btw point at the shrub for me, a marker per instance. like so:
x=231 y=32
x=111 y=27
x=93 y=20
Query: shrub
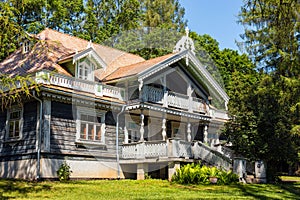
x=64 y=172
x=196 y=174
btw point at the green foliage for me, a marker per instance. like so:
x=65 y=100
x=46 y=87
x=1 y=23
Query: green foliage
x=265 y=105
x=264 y=123
x=272 y=34
x=15 y=89
x=196 y=174
x=95 y=20
x=10 y=31
x=64 y=172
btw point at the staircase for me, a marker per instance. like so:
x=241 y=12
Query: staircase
x=211 y=156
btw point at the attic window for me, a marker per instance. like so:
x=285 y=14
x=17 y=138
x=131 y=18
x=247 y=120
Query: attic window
x=85 y=69
x=26 y=46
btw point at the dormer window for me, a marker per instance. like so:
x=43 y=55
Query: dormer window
x=85 y=69
x=87 y=62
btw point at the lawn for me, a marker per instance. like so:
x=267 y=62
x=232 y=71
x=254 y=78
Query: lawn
x=148 y=189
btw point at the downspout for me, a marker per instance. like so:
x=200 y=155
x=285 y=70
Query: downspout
x=38 y=167
x=117 y=140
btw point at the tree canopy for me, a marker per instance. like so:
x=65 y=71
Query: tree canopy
x=265 y=105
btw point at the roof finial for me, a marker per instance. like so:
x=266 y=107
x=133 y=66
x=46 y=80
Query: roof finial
x=90 y=44
x=187 y=31
x=185 y=43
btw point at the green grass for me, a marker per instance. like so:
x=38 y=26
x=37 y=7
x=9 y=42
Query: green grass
x=148 y=189
x=290 y=178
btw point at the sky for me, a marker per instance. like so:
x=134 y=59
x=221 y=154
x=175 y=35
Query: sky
x=218 y=18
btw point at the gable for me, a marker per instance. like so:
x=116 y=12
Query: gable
x=91 y=54
x=191 y=66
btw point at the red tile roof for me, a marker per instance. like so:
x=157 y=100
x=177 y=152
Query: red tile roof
x=43 y=56
x=136 y=68
x=54 y=46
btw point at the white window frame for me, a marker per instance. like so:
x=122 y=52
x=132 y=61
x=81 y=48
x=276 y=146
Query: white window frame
x=81 y=111
x=26 y=46
x=133 y=132
x=85 y=69
x=11 y=110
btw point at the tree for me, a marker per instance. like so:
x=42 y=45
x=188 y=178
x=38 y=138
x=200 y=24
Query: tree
x=223 y=64
x=166 y=14
x=266 y=119
x=14 y=89
x=272 y=34
x=10 y=30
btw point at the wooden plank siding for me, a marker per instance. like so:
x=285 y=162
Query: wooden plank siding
x=2 y=125
x=27 y=142
x=63 y=134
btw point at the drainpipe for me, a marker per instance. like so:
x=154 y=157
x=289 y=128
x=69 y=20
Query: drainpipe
x=117 y=139
x=38 y=167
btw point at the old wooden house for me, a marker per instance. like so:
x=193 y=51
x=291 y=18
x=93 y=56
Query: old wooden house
x=108 y=113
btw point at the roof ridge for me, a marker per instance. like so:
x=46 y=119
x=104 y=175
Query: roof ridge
x=50 y=29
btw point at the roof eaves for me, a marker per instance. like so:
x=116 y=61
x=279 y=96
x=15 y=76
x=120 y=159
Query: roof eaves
x=161 y=65
x=208 y=76
x=92 y=54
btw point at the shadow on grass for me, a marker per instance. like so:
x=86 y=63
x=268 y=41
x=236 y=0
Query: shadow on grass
x=292 y=187
x=268 y=191
x=20 y=187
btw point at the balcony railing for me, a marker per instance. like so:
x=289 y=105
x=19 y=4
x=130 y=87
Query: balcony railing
x=142 y=150
x=154 y=149
x=47 y=77
x=175 y=148
x=173 y=99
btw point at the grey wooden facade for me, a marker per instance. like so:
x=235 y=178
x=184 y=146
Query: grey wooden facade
x=124 y=125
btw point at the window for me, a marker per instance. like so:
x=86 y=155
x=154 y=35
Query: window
x=14 y=123
x=133 y=132
x=90 y=127
x=85 y=69
x=26 y=46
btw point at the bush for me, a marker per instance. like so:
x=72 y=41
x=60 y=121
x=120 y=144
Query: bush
x=64 y=172
x=196 y=174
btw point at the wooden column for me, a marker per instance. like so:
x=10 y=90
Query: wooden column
x=46 y=124
x=142 y=130
x=189 y=136
x=126 y=135
x=165 y=99
x=164 y=127
x=205 y=139
x=189 y=94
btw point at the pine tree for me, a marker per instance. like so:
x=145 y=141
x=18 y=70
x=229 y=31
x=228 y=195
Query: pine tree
x=272 y=34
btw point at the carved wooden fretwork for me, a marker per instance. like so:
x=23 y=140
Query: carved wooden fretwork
x=185 y=43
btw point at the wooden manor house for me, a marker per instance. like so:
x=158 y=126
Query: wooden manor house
x=108 y=113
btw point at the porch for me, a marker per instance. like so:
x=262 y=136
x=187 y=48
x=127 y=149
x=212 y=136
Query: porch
x=174 y=150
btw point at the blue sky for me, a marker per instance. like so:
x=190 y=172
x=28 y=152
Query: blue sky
x=216 y=18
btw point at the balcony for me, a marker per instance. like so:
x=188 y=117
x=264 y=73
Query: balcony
x=175 y=148
x=98 y=89
x=175 y=100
